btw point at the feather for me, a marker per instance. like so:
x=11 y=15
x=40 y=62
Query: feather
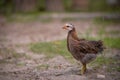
x=81 y=49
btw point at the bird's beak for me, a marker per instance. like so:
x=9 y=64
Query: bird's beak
x=64 y=27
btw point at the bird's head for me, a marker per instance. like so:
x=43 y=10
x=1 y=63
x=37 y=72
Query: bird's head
x=68 y=27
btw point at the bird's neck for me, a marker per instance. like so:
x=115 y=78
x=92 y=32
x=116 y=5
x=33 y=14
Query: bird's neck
x=72 y=37
x=73 y=34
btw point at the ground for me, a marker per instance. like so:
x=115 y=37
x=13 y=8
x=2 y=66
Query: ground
x=18 y=62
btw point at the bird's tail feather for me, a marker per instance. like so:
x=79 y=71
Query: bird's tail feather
x=100 y=46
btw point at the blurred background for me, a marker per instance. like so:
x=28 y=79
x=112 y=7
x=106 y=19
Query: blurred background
x=33 y=44
x=17 y=6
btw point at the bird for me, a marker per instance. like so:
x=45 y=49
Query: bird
x=81 y=49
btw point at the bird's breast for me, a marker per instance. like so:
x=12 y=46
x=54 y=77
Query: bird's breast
x=72 y=45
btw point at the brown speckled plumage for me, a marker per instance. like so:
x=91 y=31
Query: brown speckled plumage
x=82 y=50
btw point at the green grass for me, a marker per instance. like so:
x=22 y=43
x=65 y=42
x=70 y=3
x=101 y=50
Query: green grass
x=112 y=42
x=51 y=49
x=29 y=17
x=22 y=17
x=101 y=60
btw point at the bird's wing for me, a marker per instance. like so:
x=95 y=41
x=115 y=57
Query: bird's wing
x=98 y=45
x=87 y=47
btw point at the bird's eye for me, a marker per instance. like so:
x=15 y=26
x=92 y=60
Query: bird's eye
x=67 y=26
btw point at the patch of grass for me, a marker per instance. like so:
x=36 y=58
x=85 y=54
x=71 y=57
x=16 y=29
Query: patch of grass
x=51 y=49
x=118 y=68
x=100 y=61
x=29 y=17
x=22 y=17
x=112 y=42
x=114 y=66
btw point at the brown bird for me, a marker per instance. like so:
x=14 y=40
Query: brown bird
x=82 y=50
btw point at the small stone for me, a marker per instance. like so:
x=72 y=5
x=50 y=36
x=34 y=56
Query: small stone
x=100 y=76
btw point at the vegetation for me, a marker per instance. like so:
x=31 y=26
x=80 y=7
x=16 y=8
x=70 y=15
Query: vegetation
x=8 y=6
x=112 y=42
x=67 y=5
x=41 y=5
x=101 y=60
x=102 y=5
x=52 y=49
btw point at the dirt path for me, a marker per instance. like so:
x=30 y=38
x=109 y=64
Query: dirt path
x=30 y=66
x=23 y=33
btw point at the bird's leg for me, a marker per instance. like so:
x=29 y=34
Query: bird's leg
x=83 y=69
